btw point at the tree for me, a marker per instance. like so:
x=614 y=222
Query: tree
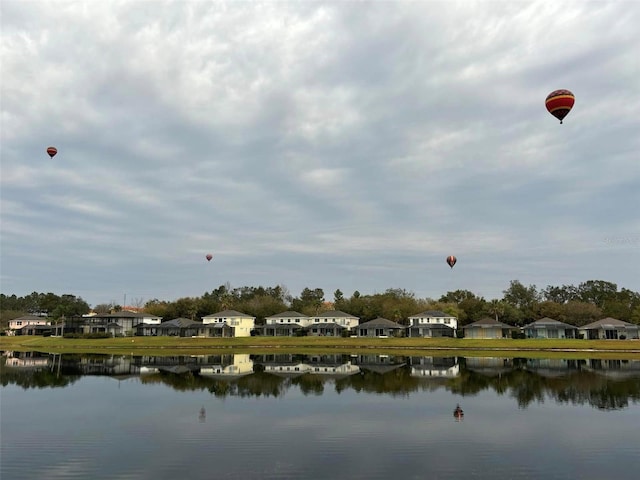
x=597 y=292
x=309 y=302
x=525 y=299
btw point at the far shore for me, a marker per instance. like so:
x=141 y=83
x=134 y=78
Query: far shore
x=162 y=346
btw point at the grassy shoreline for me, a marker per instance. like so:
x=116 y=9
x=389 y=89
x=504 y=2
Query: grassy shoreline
x=623 y=349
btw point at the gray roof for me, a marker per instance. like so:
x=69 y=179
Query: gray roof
x=609 y=322
x=334 y=314
x=124 y=314
x=548 y=322
x=432 y=313
x=326 y=325
x=227 y=314
x=281 y=326
x=487 y=323
x=180 y=322
x=32 y=317
x=288 y=314
x=380 y=322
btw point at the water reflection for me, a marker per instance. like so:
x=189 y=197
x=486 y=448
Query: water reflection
x=604 y=384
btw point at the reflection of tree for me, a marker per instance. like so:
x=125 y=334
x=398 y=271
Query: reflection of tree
x=525 y=380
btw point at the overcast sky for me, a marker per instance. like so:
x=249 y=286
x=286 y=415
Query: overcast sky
x=333 y=145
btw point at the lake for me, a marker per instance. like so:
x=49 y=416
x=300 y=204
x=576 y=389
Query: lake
x=317 y=417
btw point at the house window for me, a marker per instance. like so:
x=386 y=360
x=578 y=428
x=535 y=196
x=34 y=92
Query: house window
x=297 y=320
x=317 y=320
x=18 y=323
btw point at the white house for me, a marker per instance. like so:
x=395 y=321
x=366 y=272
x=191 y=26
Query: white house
x=344 y=320
x=241 y=323
x=288 y=318
x=432 y=323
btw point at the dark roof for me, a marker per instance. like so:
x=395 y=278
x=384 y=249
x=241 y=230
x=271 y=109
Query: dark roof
x=487 y=323
x=380 y=322
x=548 y=322
x=281 y=326
x=431 y=326
x=124 y=314
x=325 y=325
x=288 y=314
x=180 y=322
x=32 y=317
x=36 y=327
x=432 y=313
x=609 y=322
x=334 y=314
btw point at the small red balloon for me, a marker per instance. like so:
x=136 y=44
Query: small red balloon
x=451 y=260
x=52 y=151
x=209 y=257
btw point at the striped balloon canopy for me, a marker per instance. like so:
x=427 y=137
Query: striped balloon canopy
x=559 y=103
x=51 y=151
x=451 y=260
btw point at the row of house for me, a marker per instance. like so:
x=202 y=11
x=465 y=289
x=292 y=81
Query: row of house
x=231 y=323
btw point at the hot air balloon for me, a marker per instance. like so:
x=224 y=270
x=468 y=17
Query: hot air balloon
x=52 y=151
x=451 y=260
x=559 y=103
x=209 y=257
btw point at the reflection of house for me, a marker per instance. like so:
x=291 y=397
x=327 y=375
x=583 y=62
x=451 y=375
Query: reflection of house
x=239 y=366
x=549 y=328
x=615 y=369
x=284 y=365
x=609 y=329
x=241 y=323
x=489 y=366
x=34 y=360
x=487 y=328
x=380 y=327
x=331 y=366
x=444 y=367
x=378 y=363
x=432 y=323
x=332 y=323
x=552 y=367
x=17 y=325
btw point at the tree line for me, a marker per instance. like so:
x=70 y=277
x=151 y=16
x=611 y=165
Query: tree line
x=519 y=305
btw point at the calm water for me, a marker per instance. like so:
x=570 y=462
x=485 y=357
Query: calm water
x=317 y=417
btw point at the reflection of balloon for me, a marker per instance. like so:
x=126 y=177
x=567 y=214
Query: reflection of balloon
x=52 y=151
x=458 y=413
x=451 y=260
x=559 y=103
x=209 y=257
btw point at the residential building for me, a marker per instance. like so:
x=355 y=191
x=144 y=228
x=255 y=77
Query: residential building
x=241 y=323
x=609 y=329
x=549 y=328
x=432 y=323
x=380 y=327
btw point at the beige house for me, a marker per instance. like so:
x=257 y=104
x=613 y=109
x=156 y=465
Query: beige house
x=241 y=323
x=20 y=322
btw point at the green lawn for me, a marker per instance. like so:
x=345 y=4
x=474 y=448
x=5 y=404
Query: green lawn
x=401 y=346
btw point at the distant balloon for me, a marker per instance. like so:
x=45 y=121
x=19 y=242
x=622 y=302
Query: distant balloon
x=559 y=103
x=52 y=151
x=451 y=260
x=209 y=257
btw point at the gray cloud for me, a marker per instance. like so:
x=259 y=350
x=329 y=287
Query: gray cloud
x=331 y=145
